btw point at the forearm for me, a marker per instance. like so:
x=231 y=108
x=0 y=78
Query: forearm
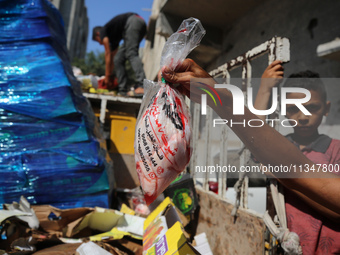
x=262 y=100
x=333 y=216
x=262 y=141
x=324 y=190
x=108 y=64
x=269 y=80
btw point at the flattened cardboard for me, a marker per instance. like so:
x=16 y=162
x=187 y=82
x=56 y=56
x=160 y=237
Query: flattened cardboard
x=173 y=242
x=75 y=223
x=63 y=217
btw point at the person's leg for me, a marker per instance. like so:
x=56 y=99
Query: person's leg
x=119 y=66
x=135 y=31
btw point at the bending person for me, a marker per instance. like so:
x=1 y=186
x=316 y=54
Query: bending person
x=131 y=28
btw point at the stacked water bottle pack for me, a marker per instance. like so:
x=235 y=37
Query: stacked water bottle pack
x=50 y=149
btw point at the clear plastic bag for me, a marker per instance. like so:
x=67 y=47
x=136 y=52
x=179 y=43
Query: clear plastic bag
x=163 y=132
x=182 y=42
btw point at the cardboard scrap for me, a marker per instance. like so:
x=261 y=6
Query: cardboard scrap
x=25 y=207
x=165 y=219
x=72 y=224
x=127 y=210
x=135 y=247
x=112 y=223
x=63 y=231
x=202 y=244
x=61 y=249
x=54 y=220
x=90 y=248
x=4 y=214
x=16 y=221
x=24 y=244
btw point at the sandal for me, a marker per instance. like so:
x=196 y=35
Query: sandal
x=133 y=94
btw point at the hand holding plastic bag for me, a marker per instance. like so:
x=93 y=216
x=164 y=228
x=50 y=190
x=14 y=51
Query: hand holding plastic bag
x=163 y=132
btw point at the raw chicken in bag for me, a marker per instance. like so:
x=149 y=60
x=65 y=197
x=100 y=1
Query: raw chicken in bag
x=163 y=132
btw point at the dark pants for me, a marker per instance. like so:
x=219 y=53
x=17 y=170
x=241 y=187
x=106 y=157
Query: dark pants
x=135 y=30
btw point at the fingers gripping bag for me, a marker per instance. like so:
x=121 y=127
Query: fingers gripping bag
x=163 y=132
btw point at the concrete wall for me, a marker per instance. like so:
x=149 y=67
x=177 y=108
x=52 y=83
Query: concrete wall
x=307 y=23
x=74 y=14
x=154 y=43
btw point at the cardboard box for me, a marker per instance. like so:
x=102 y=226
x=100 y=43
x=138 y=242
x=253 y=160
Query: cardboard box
x=163 y=232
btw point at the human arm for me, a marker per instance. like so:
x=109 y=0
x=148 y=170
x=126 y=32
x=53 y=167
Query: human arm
x=270 y=78
x=322 y=192
x=262 y=142
x=183 y=74
x=330 y=214
x=109 y=65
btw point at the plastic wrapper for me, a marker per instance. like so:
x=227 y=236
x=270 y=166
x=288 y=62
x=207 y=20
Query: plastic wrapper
x=50 y=148
x=163 y=132
x=182 y=42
